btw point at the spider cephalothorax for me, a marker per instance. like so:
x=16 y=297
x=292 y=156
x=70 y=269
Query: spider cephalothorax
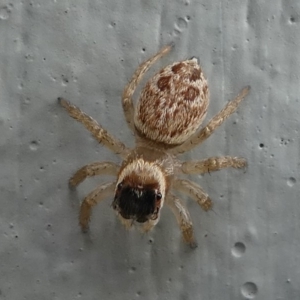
x=140 y=191
x=165 y=121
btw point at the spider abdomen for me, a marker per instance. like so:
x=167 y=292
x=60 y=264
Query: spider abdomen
x=173 y=103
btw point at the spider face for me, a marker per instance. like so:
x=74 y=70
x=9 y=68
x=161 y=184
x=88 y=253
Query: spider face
x=165 y=121
x=140 y=191
x=138 y=203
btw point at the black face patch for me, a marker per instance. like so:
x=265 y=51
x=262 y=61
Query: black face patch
x=135 y=203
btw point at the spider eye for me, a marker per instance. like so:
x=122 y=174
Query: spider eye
x=158 y=196
x=119 y=186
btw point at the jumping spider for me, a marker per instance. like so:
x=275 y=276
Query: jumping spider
x=165 y=120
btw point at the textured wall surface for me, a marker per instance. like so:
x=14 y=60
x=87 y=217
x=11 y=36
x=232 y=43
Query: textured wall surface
x=87 y=51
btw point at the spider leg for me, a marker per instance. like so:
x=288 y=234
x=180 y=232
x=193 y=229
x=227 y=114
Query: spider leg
x=147 y=226
x=99 y=133
x=131 y=86
x=93 y=169
x=97 y=195
x=212 y=164
x=183 y=219
x=126 y=222
x=194 y=191
x=213 y=124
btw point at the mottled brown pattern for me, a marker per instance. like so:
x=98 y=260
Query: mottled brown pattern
x=205 y=90
x=177 y=68
x=175 y=132
x=191 y=94
x=173 y=91
x=195 y=75
x=163 y=83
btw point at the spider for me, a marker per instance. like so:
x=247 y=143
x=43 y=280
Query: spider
x=171 y=107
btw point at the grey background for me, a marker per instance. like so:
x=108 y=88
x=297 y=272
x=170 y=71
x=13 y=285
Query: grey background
x=87 y=51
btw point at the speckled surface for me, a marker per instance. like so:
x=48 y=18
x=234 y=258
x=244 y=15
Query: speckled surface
x=86 y=51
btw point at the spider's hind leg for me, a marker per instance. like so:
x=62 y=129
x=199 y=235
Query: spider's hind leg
x=199 y=137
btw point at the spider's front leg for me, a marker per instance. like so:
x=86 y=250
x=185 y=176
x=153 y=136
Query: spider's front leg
x=99 y=133
x=212 y=125
x=93 y=169
x=99 y=194
x=183 y=219
x=131 y=86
